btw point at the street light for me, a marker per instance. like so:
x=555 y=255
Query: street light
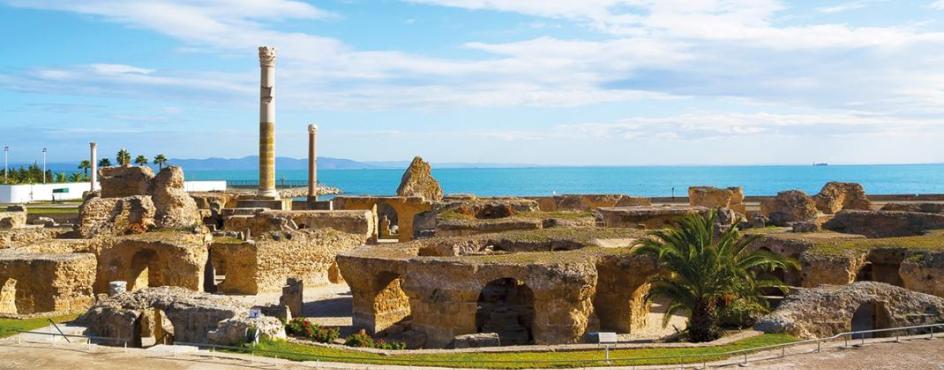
x=6 y=169
x=44 y=165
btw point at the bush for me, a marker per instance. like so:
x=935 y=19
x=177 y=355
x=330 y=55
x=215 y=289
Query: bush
x=381 y=344
x=360 y=339
x=739 y=314
x=303 y=328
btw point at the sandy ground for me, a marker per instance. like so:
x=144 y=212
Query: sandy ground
x=911 y=354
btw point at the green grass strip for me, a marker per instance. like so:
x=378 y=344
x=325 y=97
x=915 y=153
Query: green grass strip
x=10 y=327
x=517 y=360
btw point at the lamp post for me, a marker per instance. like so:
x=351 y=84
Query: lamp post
x=6 y=169
x=44 y=165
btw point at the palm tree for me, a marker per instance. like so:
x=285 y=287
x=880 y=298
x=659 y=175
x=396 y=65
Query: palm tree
x=124 y=157
x=104 y=162
x=704 y=270
x=141 y=160
x=85 y=166
x=160 y=160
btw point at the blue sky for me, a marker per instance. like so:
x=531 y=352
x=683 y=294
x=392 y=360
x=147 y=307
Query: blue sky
x=590 y=82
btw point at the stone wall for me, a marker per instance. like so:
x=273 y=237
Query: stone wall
x=305 y=254
x=837 y=196
x=407 y=208
x=881 y=224
x=712 y=197
x=116 y=216
x=34 y=283
x=124 y=181
x=24 y=236
x=13 y=217
x=644 y=217
x=239 y=263
x=587 y=202
x=789 y=207
x=154 y=259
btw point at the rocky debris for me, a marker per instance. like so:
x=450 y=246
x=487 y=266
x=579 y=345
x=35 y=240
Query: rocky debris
x=45 y=282
x=471 y=227
x=829 y=309
x=174 y=208
x=303 y=191
x=196 y=317
x=712 y=197
x=116 y=216
x=124 y=181
x=44 y=222
x=486 y=209
x=477 y=340
x=238 y=330
x=805 y=227
x=418 y=181
x=915 y=207
x=14 y=217
x=756 y=221
x=587 y=202
x=883 y=224
x=837 y=196
x=788 y=207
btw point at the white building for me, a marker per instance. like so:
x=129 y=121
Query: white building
x=28 y=193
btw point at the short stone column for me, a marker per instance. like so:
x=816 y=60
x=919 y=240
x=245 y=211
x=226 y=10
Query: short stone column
x=267 y=123
x=117 y=287
x=293 y=296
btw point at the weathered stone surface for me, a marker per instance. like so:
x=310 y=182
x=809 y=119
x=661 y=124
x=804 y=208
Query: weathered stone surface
x=124 y=181
x=174 y=208
x=293 y=296
x=923 y=272
x=153 y=259
x=712 y=197
x=914 y=207
x=829 y=310
x=13 y=217
x=27 y=236
x=418 y=181
x=787 y=207
x=644 y=217
x=472 y=227
x=477 y=340
x=193 y=317
x=880 y=224
x=406 y=208
x=116 y=216
x=34 y=283
x=837 y=196
x=238 y=330
x=805 y=227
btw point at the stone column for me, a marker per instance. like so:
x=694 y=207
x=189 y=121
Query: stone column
x=93 y=157
x=312 y=163
x=267 y=124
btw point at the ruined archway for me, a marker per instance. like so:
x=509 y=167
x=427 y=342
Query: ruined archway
x=882 y=265
x=391 y=305
x=774 y=294
x=506 y=307
x=142 y=273
x=8 y=296
x=388 y=221
x=209 y=275
x=870 y=316
x=152 y=327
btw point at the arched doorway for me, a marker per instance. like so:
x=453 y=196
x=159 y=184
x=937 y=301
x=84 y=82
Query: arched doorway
x=388 y=221
x=141 y=272
x=391 y=304
x=506 y=307
x=870 y=316
x=151 y=328
x=8 y=296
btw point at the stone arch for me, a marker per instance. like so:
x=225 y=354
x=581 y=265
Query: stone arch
x=391 y=305
x=8 y=296
x=788 y=278
x=209 y=274
x=152 y=327
x=882 y=266
x=143 y=270
x=870 y=316
x=506 y=306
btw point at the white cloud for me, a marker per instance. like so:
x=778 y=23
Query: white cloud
x=937 y=5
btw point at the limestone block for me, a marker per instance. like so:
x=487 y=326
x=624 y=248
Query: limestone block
x=476 y=340
x=881 y=224
x=124 y=181
x=174 y=208
x=239 y=330
x=644 y=217
x=116 y=216
x=712 y=197
x=837 y=196
x=788 y=207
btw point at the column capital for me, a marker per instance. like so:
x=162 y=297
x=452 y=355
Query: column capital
x=266 y=56
x=312 y=128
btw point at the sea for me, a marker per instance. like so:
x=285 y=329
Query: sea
x=639 y=180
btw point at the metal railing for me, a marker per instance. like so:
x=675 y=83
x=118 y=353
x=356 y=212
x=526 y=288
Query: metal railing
x=678 y=361
x=279 y=184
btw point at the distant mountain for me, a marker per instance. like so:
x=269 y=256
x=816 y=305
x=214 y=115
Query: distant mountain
x=252 y=162
x=405 y=164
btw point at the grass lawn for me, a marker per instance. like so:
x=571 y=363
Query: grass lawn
x=10 y=327
x=52 y=210
x=515 y=360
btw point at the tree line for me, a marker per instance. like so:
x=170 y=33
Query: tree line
x=33 y=174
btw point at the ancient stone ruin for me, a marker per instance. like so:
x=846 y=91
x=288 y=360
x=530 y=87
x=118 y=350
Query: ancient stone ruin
x=418 y=182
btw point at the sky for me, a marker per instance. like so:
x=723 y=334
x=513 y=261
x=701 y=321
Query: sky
x=589 y=82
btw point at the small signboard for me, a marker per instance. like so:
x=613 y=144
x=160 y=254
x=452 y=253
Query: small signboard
x=60 y=191
x=605 y=337
x=255 y=313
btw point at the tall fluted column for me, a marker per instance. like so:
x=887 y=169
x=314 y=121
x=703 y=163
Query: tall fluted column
x=267 y=123
x=312 y=162
x=93 y=158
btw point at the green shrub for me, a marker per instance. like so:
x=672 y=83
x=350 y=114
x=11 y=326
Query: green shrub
x=303 y=328
x=381 y=344
x=360 y=339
